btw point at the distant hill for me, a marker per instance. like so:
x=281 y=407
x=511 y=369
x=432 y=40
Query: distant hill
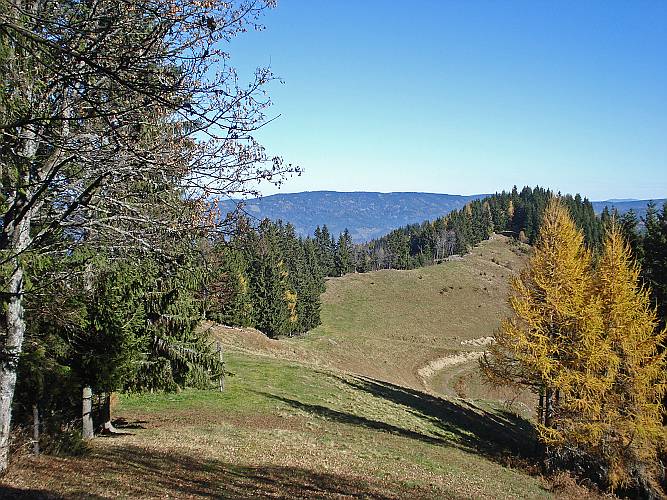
x=639 y=206
x=367 y=215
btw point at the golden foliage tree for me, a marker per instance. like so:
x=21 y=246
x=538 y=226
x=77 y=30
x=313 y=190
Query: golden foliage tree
x=585 y=341
x=631 y=424
x=556 y=326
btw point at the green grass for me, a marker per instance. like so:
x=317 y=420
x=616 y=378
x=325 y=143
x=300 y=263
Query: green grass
x=275 y=412
x=340 y=413
x=388 y=324
x=288 y=431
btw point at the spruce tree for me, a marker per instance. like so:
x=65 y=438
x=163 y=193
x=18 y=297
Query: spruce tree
x=629 y=226
x=343 y=260
x=655 y=256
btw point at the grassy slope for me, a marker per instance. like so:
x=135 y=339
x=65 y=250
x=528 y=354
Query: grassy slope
x=283 y=430
x=319 y=416
x=388 y=324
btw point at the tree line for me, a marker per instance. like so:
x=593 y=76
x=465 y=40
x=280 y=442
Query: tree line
x=518 y=213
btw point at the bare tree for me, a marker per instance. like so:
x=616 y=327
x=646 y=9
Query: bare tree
x=108 y=107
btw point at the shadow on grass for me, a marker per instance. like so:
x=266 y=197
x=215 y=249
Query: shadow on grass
x=137 y=472
x=122 y=423
x=29 y=494
x=495 y=434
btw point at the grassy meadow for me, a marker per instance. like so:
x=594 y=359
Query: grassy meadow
x=346 y=411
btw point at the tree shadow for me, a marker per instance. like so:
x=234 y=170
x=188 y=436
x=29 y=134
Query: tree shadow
x=490 y=431
x=138 y=472
x=122 y=423
x=25 y=493
x=494 y=433
x=350 y=418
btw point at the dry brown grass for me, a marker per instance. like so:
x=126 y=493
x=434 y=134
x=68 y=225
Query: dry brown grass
x=283 y=430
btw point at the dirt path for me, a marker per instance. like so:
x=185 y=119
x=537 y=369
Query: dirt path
x=439 y=364
x=446 y=362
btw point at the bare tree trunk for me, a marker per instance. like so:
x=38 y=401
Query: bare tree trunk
x=87 y=410
x=35 y=429
x=13 y=342
x=87 y=413
x=107 y=426
x=15 y=240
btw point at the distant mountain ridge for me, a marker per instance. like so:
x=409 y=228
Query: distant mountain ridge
x=369 y=215
x=625 y=205
x=366 y=215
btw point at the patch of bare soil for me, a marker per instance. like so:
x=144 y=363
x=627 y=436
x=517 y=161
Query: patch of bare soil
x=442 y=363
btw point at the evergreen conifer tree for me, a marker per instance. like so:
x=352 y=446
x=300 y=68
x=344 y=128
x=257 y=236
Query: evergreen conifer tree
x=655 y=256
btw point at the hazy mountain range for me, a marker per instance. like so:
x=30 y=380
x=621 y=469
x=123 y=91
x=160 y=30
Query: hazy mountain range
x=368 y=215
x=639 y=206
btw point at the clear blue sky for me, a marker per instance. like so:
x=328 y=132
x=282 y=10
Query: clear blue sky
x=469 y=96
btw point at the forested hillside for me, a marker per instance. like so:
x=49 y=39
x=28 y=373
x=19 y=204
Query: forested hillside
x=365 y=215
x=285 y=309
x=517 y=213
x=368 y=215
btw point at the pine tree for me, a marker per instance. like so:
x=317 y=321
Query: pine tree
x=226 y=292
x=629 y=226
x=325 y=250
x=631 y=425
x=343 y=260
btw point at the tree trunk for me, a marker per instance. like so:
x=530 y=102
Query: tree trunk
x=107 y=426
x=87 y=413
x=15 y=240
x=549 y=408
x=35 y=429
x=222 y=375
x=13 y=342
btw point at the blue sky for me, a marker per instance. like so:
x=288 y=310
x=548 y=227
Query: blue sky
x=467 y=97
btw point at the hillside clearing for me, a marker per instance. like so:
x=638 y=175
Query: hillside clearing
x=391 y=324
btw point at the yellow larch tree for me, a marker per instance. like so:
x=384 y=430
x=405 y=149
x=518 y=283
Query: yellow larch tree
x=587 y=341
x=631 y=423
x=553 y=344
